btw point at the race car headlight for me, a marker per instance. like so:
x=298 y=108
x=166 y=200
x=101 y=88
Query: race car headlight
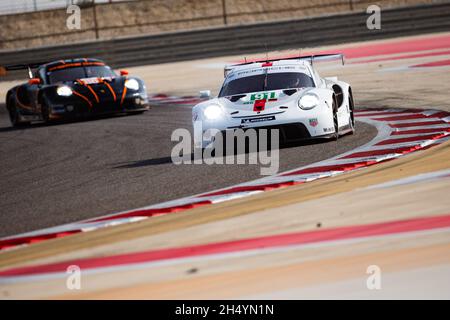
x=212 y=112
x=308 y=101
x=64 y=91
x=132 y=84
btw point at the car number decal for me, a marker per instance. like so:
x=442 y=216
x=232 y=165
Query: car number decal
x=271 y=96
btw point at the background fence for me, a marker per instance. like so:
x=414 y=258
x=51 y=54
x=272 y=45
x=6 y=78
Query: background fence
x=21 y=6
x=134 y=51
x=119 y=19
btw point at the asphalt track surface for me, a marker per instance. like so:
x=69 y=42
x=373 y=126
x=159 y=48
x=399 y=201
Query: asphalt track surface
x=61 y=173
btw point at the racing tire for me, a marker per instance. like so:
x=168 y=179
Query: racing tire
x=14 y=115
x=45 y=111
x=335 y=119
x=351 y=105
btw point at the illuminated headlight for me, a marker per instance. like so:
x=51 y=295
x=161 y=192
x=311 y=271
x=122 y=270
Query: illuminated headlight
x=132 y=84
x=212 y=112
x=64 y=91
x=308 y=101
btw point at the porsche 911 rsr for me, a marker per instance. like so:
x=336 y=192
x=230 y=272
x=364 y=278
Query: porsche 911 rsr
x=68 y=89
x=288 y=95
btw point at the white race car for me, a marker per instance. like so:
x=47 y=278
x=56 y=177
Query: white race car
x=287 y=94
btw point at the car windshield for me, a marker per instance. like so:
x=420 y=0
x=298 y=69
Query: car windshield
x=72 y=74
x=274 y=81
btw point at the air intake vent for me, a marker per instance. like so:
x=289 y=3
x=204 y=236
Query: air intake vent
x=236 y=98
x=290 y=92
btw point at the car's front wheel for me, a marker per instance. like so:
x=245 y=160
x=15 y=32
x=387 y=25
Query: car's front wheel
x=351 y=106
x=14 y=116
x=335 y=118
x=45 y=111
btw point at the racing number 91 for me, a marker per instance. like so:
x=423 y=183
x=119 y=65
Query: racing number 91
x=263 y=96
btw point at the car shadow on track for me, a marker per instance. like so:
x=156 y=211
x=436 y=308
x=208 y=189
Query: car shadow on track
x=144 y=163
x=64 y=122
x=27 y=127
x=168 y=159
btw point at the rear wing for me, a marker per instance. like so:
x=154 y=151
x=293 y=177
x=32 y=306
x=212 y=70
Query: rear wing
x=311 y=58
x=25 y=66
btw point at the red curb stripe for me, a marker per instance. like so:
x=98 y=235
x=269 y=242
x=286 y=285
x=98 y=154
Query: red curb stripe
x=416 y=124
x=382 y=152
x=400 y=118
x=389 y=113
x=153 y=212
x=440 y=63
x=410 y=139
x=298 y=238
x=9 y=243
x=440 y=115
x=370 y=110
x=428 y=146
x=262 y=187
x=419 y=131
x=336 y=167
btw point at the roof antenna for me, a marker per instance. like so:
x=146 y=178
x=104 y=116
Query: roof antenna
x=267 y=52
x=30 y=73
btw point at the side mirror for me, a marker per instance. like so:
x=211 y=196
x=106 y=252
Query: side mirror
x=124 y=72
x=205 y=94
x=34 y=81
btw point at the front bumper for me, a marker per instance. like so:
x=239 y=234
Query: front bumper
x=75 y=109
x=293 y=124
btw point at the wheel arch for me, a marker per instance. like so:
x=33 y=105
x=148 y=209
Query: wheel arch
x=340 y=88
